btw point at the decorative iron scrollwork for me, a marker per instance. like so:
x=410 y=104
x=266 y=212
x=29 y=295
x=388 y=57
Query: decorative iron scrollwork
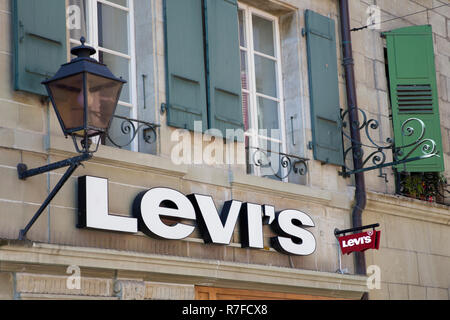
x=285 y=165
x=429 y=186
x=131 y=127
x=376 y=158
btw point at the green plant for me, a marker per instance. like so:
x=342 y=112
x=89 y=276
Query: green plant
x=413 y=186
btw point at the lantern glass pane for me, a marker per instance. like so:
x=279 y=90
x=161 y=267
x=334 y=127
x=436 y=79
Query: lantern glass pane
x=68 y=100
x=103 y=95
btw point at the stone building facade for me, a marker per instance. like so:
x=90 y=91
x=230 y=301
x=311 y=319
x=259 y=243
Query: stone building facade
x=60 y=261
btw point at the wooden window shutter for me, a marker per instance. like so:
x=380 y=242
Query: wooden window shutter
x=39 y=42
x=223 y=61
x=412 y=77
x=185 y=64
x=323 y=88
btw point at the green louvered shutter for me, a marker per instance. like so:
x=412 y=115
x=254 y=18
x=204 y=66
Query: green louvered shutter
x=323 y=88
x=224 y=87
x=39 y=28
x=412 y=77
x=185 y=65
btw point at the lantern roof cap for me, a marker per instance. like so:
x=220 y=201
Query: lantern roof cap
x=83 y=51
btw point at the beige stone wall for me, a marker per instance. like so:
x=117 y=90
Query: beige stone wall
x=46 y=271
x=135 y=174
x=41 y=286
x=30 y=134
x=414 y=256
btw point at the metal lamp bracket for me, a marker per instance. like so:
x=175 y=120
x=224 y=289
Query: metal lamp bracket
x=24 y=173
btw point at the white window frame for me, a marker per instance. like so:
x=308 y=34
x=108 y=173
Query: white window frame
x=251 y=91
x=92 y=40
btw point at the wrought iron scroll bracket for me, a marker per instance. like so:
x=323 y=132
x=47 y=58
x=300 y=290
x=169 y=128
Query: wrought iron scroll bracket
x=373 y=155
x=24 y=173
x=131 y=128
x=288 y=163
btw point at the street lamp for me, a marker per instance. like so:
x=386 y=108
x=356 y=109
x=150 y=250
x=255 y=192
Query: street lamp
x=84 y=94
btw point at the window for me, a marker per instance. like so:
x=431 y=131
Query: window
x=262 y=99
x=108 y=26
x=223 y=64
x=413 y=94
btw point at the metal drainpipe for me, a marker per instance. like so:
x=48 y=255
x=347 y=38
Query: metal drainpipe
x=360 y=192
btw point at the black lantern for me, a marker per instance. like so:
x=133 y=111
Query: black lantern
x=84 y=94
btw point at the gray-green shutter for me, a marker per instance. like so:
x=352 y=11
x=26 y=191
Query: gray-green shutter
x=185 y=65
x=40 y=47
x=224 y=86
x=323 y=88
x=412 y=77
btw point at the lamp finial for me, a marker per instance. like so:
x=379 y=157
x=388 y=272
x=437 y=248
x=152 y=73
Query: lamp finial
x=83 y=51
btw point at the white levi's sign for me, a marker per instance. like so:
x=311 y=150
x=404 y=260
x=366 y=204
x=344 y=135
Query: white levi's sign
x=356 y=242
x=164 y=213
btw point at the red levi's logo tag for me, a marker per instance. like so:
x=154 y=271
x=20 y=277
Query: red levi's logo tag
x=360 y=241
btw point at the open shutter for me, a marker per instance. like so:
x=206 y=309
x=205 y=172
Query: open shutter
x=39 y=42
x=412 y=77
x=185 y=66
x=222 y=46
x=323 y=88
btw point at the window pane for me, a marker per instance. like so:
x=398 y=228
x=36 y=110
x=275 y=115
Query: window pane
x=120 y=131
x=68 y=94
x=120 y=67
x=244 y=70
x=265 y=76
x=242 y=35
x=268 y=118
x=102 y=100
x=77 y=19
x=263 y=39
x=112 y=28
